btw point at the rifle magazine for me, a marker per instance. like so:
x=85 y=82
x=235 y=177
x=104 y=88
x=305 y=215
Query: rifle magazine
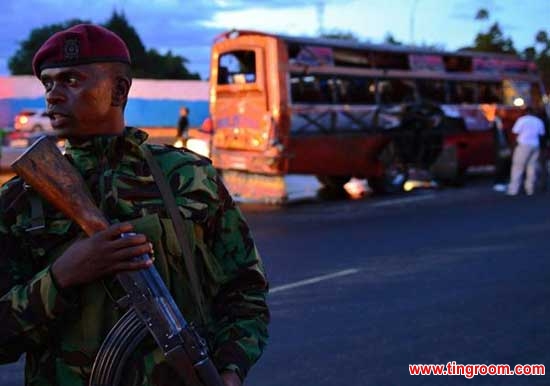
x=115 y=350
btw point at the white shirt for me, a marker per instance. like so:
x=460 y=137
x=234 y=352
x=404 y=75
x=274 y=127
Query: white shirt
x=529 y=128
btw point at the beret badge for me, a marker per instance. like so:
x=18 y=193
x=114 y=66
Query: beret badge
x=71 y=49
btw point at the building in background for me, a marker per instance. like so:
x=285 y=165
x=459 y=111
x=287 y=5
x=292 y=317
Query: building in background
x=152 y=103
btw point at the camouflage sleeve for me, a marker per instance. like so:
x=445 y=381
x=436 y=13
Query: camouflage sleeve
x=236 y=283
x=240 y=310
x=28 y=303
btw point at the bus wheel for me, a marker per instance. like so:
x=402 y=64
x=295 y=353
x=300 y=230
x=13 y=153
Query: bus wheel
x=333 y=182
x=394 y=174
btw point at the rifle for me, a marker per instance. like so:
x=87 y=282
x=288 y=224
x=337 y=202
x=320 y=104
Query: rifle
x=151 y=308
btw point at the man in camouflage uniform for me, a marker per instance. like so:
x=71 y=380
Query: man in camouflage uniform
x=57 y=286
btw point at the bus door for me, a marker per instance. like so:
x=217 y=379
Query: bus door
x=239 y=106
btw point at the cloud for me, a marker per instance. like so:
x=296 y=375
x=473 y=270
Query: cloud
x=188 y=27
x=226 y=5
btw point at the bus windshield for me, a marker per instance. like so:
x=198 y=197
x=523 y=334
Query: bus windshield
x=237 y=67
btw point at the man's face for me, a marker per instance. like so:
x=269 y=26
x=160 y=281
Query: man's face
x=79 y=99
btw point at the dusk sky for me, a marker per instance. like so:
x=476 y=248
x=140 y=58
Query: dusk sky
x=187 y=28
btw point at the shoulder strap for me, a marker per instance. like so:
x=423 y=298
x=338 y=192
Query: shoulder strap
x=179 y=226
x=37 y=214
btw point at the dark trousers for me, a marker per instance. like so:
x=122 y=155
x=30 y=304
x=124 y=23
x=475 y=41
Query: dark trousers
x=502 y=169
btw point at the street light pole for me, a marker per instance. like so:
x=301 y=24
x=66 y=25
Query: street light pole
x=411 y=23
x=320 y=17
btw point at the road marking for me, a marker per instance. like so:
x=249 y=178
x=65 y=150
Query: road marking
x=404 y=200
x=313 y=280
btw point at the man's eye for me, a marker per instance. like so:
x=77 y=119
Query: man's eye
x=47 y=85
x=72 y=80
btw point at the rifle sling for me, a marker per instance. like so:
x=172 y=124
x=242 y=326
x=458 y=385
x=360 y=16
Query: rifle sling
x=179 y=225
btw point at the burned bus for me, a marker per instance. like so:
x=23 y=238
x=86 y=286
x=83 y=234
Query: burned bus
x=338 y=109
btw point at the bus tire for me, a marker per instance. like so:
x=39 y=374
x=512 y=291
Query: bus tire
x=395 y=172
x=333 y=182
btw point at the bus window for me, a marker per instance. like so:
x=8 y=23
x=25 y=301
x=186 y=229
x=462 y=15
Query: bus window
x=490 y=92
x=388 y=59
x=356 y=90
x=431 y=90
x=237 y=67
x=462 y=92
x=396 y=91
x=310 y=55
x=313 y=89
x=456 y=63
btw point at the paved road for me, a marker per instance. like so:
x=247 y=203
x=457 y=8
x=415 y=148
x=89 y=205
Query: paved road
x=457 y=275
x=361 y=289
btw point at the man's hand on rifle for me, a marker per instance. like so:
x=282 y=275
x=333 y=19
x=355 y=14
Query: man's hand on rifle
x=103 y=254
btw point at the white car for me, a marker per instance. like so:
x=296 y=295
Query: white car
x=32 y=120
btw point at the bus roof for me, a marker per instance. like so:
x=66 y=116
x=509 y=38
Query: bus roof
x=361 y=46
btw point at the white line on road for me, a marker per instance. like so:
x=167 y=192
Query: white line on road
x=313 y=280
x=404 y=200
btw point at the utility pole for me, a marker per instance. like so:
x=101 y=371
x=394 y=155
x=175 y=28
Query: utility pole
x=411 y=23
x=320 y=17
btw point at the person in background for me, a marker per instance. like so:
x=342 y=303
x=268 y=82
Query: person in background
x=183 y=124
x=182 y=129
x=528 y=128
x=503 y=156
x=58 y=296
x=502 y=150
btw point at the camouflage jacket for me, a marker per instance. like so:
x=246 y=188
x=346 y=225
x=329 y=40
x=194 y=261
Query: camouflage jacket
x=61 y=331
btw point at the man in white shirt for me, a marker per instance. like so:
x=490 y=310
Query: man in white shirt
x=528 y=128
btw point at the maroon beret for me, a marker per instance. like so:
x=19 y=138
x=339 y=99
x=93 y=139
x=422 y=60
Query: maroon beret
x=80 y=44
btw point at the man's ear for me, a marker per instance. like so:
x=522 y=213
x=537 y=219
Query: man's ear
x=120 y=91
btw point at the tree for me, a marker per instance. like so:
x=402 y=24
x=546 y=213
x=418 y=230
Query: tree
x=542 y=37
x=530 y=53
x=167 y=66
x=148 y=63
x=390 y=39
x=119 y=25
x=542 y=56
x=145 y=63
x=492 y=41
x=482 y=14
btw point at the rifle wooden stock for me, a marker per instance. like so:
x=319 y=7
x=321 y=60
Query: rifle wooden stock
x=43 y=167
